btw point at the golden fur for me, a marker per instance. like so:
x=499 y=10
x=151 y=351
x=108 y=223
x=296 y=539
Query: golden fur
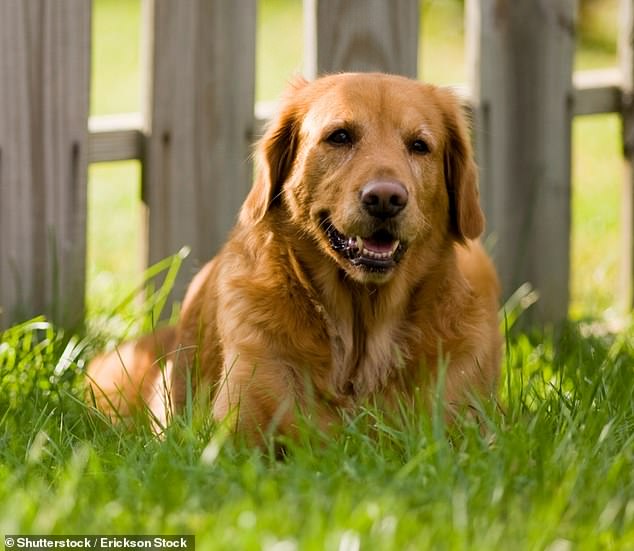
x=281 y=321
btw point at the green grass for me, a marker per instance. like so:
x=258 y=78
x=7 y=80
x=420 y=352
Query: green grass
x=596 y=209
x=115 y=230
x=116 y=57
x=552 y=472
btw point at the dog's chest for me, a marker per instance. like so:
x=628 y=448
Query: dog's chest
x=364 y=356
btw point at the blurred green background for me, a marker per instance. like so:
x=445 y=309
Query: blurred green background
x=116 y=216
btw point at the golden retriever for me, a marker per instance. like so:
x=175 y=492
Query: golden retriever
x=354 y=271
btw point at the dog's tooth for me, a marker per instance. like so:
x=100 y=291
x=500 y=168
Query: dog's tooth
x=379 y=256
x=360 y=243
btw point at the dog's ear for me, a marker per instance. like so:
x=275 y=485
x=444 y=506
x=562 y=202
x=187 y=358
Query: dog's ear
x=461 y=174
x=276 y=152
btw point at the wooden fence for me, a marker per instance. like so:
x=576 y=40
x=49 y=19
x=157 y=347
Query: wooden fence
x=194 y=137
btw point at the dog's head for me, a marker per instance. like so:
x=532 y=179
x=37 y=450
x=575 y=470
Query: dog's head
x=374 y=168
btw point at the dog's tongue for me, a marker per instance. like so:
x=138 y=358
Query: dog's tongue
x=378 y=245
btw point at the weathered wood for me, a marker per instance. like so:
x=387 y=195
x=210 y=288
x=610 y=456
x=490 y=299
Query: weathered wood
x=44 y=93
x=115 y=138
x=361 y=35
x=626 y=58
x=201 y=56
x=522 y=58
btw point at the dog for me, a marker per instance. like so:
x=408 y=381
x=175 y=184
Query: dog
x=354 y=272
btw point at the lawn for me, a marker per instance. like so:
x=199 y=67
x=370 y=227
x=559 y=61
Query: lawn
x=553 y=470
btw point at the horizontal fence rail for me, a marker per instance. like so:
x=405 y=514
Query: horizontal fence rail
x=121 y=137
x=194 y=137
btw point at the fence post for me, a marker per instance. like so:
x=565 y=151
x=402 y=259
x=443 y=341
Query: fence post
x=521 y=63
x=361 y=35
x=626 y=58
x=199 y=114
x=44 y=102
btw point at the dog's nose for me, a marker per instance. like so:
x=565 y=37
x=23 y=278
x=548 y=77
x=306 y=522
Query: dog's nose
x=383 y=198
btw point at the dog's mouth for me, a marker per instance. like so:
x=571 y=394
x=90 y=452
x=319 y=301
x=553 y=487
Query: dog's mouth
x=379 y=252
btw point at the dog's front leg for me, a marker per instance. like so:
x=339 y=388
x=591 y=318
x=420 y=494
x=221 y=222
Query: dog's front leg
x=257 y=397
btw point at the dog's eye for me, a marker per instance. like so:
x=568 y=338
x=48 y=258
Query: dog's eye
x=339 y=137
x=420 y=147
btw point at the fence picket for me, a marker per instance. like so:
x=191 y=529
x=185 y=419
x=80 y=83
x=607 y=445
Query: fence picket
x=201 y=56
x=361 y=35
x=524 y=99
x=44 y=99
